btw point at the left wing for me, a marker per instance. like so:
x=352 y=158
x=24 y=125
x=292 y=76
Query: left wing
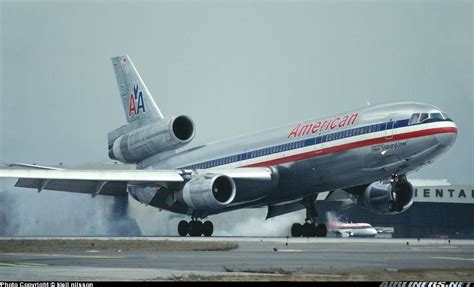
x=105 y=182
x=112 y=182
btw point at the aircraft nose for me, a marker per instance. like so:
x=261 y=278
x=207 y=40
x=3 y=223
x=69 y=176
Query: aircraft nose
x=373 y=232
x=448 y=139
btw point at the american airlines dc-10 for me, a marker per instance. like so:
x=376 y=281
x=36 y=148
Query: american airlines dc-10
x=365 y=152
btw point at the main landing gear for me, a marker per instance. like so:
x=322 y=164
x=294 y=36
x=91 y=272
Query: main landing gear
x=195 y=228
x=309 y=228
x=396 y=181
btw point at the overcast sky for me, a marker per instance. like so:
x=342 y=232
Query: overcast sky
x=233 y=67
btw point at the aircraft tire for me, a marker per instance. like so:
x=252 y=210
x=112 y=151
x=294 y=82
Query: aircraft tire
x=308 y=230
x=313 y=231
x=321 y=230
x=183 y=227
x=296 y=230
x=207 y=228
x=195 y=228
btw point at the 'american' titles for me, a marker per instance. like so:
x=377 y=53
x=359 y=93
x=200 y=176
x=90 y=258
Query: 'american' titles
x=323 y=125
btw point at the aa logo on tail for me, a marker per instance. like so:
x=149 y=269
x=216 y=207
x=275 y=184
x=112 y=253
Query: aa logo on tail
x=136 y=102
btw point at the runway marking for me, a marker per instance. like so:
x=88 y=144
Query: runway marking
x=290 y=250
x=27 y=265
x=97 y=257
x=435 y=247
x=453 y=258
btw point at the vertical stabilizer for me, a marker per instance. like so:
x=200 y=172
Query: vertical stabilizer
x=139 y=106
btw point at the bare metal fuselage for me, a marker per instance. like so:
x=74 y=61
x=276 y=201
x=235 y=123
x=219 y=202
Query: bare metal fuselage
x=320 y=154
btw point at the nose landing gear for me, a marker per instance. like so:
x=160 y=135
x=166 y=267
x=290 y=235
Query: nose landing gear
x=309 y=228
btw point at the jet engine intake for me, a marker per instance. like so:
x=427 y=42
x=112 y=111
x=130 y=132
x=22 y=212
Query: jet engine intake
x=209 y=191
x=139 y=144
x=388 y=197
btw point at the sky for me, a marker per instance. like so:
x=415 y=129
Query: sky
x=234 y=67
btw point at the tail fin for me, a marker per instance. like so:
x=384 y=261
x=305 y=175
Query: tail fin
x=139 y=106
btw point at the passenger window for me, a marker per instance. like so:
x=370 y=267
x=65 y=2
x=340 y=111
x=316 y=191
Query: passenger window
x=423 y=117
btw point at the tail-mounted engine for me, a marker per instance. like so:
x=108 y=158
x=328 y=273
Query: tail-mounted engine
x=390 y=197
x=208 y=191
x=140 y=143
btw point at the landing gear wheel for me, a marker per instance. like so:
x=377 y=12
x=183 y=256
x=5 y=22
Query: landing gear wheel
x=195 y=228
x=207 y=228
x=296 y=230
x=183 y=228
x=309 y=230
x=321 y=230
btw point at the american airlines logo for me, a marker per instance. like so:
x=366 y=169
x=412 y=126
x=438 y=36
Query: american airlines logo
x=136 y=102
x=322 y=126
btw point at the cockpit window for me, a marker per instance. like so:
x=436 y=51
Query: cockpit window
x=414 y=119
x=427 y=118
x=423 y=117
x=436 y=116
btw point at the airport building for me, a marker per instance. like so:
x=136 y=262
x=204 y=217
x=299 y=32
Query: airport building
x=440 y=210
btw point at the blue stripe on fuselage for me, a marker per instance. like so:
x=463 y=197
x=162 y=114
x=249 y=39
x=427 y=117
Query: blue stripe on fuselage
x=301 y=143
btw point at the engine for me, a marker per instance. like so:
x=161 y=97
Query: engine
x=208 y=191
x=388 y=197
x=139 y=144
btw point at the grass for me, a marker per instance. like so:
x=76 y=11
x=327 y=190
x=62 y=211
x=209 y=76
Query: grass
x=83 y=245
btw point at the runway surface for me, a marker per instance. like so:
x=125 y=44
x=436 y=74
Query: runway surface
x=272 y=256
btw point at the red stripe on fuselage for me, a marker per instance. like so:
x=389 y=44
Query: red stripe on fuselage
x=348 y=146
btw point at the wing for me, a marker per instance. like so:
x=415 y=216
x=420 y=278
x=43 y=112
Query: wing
x=112 y=182
x=105 y=182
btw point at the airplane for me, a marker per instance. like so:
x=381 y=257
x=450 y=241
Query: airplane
x=365 y=152
x=352 y=229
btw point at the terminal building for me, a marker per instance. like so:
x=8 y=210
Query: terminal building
x=440 y=210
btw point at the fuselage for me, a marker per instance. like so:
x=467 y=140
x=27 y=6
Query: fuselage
x=352 y=229
x=327 y=153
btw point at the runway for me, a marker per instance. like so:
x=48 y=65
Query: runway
x=321 y=258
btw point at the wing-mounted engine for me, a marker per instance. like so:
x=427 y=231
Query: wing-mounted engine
x=390 y=197
x=131 y=145
x=208 y=191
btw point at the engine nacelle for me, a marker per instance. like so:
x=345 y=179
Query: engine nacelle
x=388 y=197
x=139 y=144
x=209 y=191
